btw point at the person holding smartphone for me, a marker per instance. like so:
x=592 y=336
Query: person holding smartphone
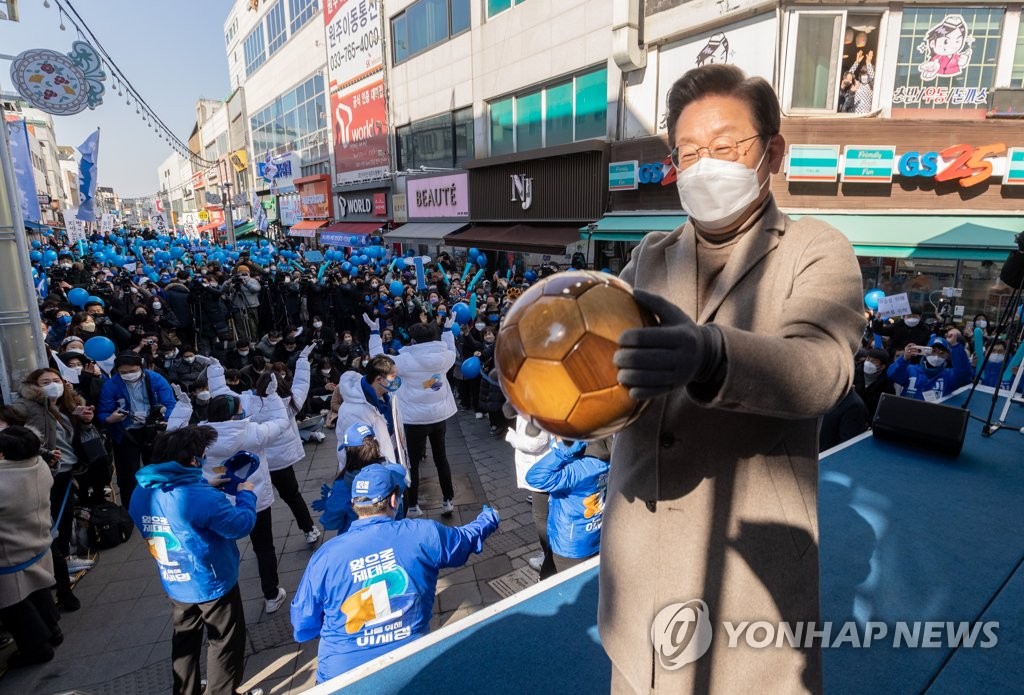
x=930 y=379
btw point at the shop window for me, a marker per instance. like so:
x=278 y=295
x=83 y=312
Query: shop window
x=443 y=141
x=294 y=121
x=529 y=122
x=497 y=6
x=833 y=61
x=277 y=32
x=502 y=141
x=947 y=58
x=465 y=145
x=255 y=50
x=558 y=114
x=301 y=11
x=425 y=24
x=1017 y=76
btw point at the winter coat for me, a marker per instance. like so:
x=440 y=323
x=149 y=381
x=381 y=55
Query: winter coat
x=35 y=408
x=246 y=435
x=178 y=301
x=848 y=419
x=425 y=396
x=529 y=449
x=247 y=294
x=871 y=393
x=577 y=484
x=900 y=334
x=355 y=409
x=338 y=515
x=115 y=394
x=179 y=372
x=24 y=528
x=265 y=348
x=191 y=529
x=492 y=398
x=925 y=383
x=788 y=304
x=333 y=603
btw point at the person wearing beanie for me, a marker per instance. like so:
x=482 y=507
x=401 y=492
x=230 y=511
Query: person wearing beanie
x=135 y=403
x=931 y=379
x=870 y=380
x=336 y=600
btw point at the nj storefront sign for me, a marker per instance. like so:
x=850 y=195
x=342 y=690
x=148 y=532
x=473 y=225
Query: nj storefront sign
x=445 y=197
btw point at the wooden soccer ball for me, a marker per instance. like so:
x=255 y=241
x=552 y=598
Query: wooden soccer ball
x=555 y=354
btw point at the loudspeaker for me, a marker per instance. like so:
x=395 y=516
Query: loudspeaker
x=933 y=426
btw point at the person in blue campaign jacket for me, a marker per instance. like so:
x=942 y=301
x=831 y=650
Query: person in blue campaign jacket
x=931 y=379
x=191 y=528
x=575 y=474
x=371 y=589
x=361 y=449
x=133 y=402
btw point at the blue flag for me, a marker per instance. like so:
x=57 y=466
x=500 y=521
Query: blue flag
x=90 y=150
x=21 y=158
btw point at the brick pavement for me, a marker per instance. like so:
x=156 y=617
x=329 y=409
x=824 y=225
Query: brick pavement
x=119 y=642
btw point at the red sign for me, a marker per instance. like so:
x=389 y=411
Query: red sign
x=360 y=128
x=315 y=197
x=380 y=204
x=198 y=180
x=216 y=216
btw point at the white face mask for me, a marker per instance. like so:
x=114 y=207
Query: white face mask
x=870 y=368
x=317 y=324
x=157 y=306
x=132 y=377
x=996 y=357
x=911 y=322
x=716 y=192
x=54 y=390
x=189 y=360
x=480 y=326
x=981 y=323
x=325 y=372
x=202 y=396
x=935 y=360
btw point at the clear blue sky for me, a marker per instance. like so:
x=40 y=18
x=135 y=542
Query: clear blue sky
x=172 y=52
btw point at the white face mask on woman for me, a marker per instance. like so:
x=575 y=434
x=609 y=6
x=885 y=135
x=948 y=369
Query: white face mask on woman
x=715 y=192
x=54 y=390
x=911 y=323
x=870 y=368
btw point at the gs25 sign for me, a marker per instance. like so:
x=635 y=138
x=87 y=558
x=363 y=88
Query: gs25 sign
x=970 y=165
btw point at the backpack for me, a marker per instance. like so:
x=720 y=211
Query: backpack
x=109 y=526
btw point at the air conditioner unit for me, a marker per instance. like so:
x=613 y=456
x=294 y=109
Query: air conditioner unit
x=1006 y=102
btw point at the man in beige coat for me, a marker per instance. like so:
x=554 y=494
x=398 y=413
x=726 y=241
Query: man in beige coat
x=712 y=494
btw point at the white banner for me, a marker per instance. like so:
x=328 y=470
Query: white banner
x=189 y=222
x=894 y=305
x=158 y=221
x=354 y=47
x=74 y=227
x=107 y=222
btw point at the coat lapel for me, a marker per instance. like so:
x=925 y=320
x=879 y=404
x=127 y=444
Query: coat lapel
x=678 y=282
x=755 y=245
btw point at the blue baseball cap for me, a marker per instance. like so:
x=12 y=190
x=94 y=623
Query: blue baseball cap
x=939 y=341
x=372 y=484
x=356 y=433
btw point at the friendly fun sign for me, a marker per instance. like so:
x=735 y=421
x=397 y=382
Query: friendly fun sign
x=868 y=164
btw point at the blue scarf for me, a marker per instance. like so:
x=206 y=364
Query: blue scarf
x=382 y=404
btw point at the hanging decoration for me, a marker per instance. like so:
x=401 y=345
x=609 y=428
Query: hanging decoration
x=57 y=83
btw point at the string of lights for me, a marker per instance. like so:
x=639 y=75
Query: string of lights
x=123 y=87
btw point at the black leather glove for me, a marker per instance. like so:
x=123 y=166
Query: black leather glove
x=656 y=360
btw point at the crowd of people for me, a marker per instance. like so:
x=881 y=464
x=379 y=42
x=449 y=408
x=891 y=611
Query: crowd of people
x=184 y=379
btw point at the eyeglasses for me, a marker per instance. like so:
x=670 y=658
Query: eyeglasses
x=722 y=147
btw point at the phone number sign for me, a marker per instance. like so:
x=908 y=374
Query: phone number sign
x=353 y=34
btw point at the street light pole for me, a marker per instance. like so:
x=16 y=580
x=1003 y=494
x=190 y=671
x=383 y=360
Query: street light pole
x=229 y=218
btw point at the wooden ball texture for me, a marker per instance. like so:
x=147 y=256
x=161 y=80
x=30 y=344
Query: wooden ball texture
x=555 y=352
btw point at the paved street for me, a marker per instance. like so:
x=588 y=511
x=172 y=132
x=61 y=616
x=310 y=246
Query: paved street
x=119 y=642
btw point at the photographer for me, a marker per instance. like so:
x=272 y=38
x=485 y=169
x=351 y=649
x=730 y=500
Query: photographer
x=179 y=299
x=245 y=291
x=134 y=404
x=211 y=316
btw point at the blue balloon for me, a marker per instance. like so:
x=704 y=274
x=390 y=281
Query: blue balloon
x=473 y=253
x=36 y=244
x=346 y=266
x=177 y=252
x=35 y=256
x=99 y=348
x=530 y=276
x=456 y=330
x=396 y=288
x=49 y=255
x=94 y=298
x=462 y=313
x=78 y=297
x=470 y=367
x=872 y=297
x=481 y=260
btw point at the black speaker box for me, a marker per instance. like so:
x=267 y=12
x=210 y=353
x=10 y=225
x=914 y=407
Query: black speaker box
x=933 y=426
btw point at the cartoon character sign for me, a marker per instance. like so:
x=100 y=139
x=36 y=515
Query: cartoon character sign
x=716 y=50
x=947 y=46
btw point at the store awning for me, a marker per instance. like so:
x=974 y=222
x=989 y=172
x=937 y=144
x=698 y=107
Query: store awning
x=36 y=226
x=309 y=224
x=521 y=237
x=943 y=237
x=630 y=227
x=208 y=227
x=425 y=231
x=247 y=229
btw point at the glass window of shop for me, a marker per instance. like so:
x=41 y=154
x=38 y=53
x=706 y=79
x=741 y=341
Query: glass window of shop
x=255 y=50
x=498 y=6
x=561 y=113
x=444 y=141
x=923 y=280
x=301 y=11
x=296 y=120
x=947 y=57
x=833 y=61
x=1017 y=74
x=425 y=24
x=277 y=30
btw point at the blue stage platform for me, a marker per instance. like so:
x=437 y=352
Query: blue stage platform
x=905 y=536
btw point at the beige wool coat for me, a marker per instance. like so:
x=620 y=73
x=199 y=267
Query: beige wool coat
x=718 y=500
x=24 y=528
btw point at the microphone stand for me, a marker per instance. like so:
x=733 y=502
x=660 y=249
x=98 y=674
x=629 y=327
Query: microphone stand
x=1011 y=324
